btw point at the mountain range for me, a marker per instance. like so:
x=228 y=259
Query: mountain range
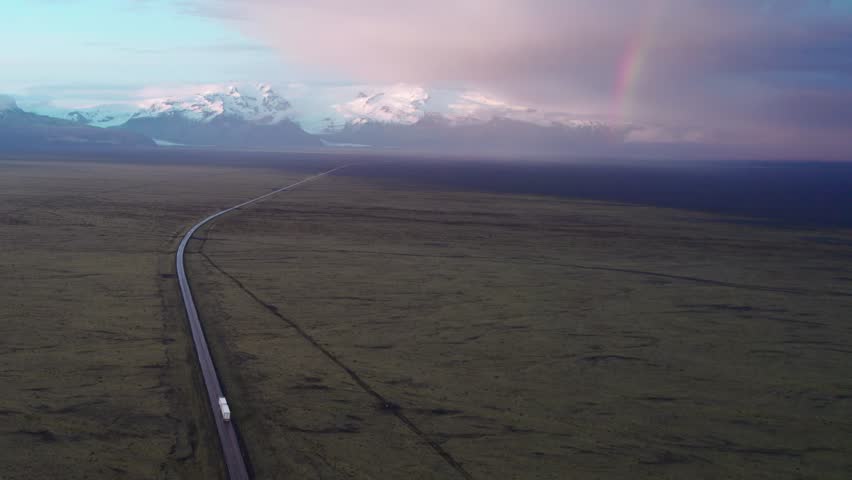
x=20 y=130
x=259 y=118
x=498 y=135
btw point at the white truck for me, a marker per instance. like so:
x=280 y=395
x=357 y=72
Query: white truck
x=226 y=411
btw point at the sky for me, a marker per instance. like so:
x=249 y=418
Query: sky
x=104 y=48
x=771 y=74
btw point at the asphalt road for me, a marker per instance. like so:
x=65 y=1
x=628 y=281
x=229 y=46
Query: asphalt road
x=231 y=451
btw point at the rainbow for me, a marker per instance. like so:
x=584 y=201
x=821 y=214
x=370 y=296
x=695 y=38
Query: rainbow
x=632 y=62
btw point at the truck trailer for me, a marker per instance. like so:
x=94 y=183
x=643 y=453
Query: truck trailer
x=226 y=411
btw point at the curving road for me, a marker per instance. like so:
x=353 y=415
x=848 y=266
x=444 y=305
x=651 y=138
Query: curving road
x=231 y=450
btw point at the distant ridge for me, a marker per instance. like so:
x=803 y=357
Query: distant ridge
x=398 y=117
x=226 y=118
x=24 y=131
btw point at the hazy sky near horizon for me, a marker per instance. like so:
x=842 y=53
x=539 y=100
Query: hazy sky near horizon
x=771 y=72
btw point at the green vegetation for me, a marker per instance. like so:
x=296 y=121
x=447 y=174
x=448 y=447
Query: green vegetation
x=525 y=337
x=368 y=329
x=96 y=365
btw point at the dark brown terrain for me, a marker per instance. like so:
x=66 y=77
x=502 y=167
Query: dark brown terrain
x=376 y=330
x=380 y=329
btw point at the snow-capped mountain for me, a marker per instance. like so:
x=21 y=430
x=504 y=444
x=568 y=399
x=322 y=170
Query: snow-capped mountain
x=7 y=103
x=405 y=117
x=471 y=108
x=392 y=116
x=399 y=104
x=102 y=116
x=436 y=132
x=26 y=131
x=407 y=105
x=262 y=106
x=223 y=117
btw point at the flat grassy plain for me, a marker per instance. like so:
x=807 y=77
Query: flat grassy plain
x=379 y=329
x=370 y=329
x=96 y=367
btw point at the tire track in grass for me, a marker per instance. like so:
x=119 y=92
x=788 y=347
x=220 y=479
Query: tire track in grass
x=384 y=403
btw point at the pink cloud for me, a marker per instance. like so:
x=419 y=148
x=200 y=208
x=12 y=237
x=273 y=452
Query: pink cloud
x=690 y=64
